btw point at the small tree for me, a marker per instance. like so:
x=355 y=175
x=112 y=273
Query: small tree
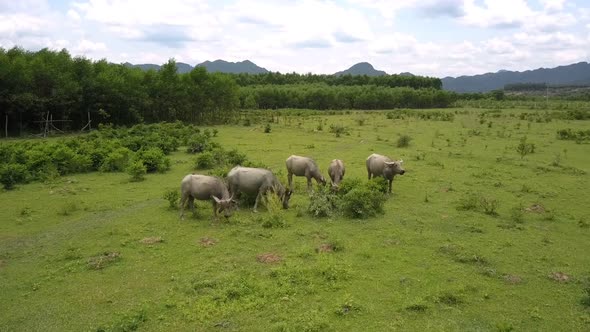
x=524 y=148
x=137 y=170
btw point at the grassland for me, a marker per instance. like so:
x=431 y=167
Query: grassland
x=475 y=237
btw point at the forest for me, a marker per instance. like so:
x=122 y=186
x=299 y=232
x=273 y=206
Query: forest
x=72 y=89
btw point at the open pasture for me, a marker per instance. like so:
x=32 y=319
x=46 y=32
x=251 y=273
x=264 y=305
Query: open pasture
x=484 y=232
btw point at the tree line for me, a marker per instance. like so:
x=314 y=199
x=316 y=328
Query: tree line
x=35 y=84
x=391 y=81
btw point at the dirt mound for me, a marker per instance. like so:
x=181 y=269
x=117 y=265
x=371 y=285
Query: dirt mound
x=559 y=277
x=512 y=279
x=151 y=240
x=537 y=208
x=207 y=241
x=325 y=247
x=101 y=261
x=269 y=258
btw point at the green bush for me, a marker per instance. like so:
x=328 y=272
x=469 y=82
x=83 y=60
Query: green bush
x=154 y=160
x=116 y=161
x=323 y=203
x=379 y=184
x=363 y=201
x=205 y=160
x=267 y=128
x=137 y=170
x=348 y=184
x=11 y=174
x=339 y=130
x=403 y=141
x=172 y=196
x=524 y=148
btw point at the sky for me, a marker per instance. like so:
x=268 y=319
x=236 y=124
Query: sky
x=425 y=37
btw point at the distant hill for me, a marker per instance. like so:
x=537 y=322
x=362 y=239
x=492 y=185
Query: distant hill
x=222 y=66
x=361 y=68
x=180 y=66
x=574 y=74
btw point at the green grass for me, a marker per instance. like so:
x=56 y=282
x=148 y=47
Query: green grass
x=438 y=259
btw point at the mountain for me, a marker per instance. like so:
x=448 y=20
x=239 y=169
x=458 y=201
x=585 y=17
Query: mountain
x=574 y=74
x=246 y=66
x=180 y=66
x=222 y=66
x=362 y=68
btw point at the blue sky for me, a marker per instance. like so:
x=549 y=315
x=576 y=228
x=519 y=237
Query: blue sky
x=426 y=37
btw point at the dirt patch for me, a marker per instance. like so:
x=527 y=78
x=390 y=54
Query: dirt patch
x=512 y=279
x=325 y=247
x=269 y=258
x=207 y=241
x=537 y=208
x=151 y=240
x=559 y=277
x=101 y=261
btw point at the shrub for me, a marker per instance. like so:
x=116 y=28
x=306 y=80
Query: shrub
x=234 y=157
x=403 y=141
x=348 y=184
x=379 y=184
x=363 y=202
x=198 y=143
x=323 y=203
x=205 y=160
x=137 y=170
x=154 y=160
x=275 y=218
x=467 y=203
x=338 y=130
x=67 y=209
x=524 y=148
x=267 y=128
x=489 y=205
x=116 y=161
x=11 y=174
x=172 y=196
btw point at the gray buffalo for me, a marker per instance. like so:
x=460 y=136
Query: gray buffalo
x=256 y=181
x=303 y=166
x=336 y=172
x=204 y=188
x=378 y=165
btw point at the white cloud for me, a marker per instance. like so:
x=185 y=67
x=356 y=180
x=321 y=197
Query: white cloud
x=553 y=5
x=321 y=36
x=86 y=46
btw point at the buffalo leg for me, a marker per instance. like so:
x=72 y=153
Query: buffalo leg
x=182 y=204
x=290 y=178
x=215 y=210
x=390 y=182
x=260 y=193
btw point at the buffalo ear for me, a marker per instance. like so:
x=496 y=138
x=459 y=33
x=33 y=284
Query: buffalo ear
x=401 y=161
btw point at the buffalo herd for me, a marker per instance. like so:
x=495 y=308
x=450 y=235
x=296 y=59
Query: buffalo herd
x=259 y=181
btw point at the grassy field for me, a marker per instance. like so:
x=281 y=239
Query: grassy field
x=475 y=237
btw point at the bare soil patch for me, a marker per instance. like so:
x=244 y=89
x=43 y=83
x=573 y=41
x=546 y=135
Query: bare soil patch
x=269 y=258
x=325 y=247
x=207 y=241
x=559 y=277
x=537 y=208
x=151 y=240
x=512 y=279
x=101 y=261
